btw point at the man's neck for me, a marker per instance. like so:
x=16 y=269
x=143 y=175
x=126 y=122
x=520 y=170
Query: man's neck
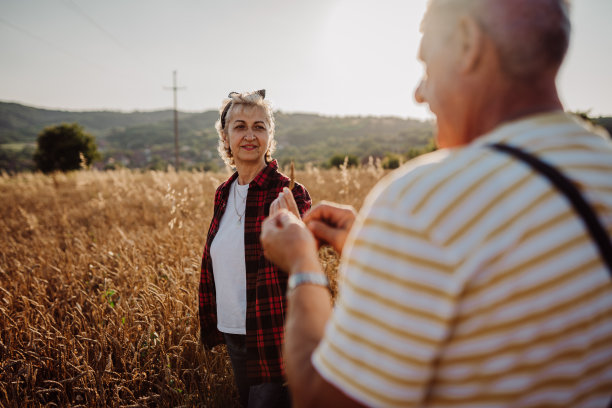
x=510 y=102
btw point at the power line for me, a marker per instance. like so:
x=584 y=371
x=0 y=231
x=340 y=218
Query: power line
x=144 y=69
x=71 y=4
x=50 y=44
x=174 y=88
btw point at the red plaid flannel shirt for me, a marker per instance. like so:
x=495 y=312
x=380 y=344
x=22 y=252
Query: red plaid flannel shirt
x=265 y=284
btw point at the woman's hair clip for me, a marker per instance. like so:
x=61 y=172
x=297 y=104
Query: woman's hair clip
x=231 y=95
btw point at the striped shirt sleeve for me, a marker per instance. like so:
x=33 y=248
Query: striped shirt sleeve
x=393 y=311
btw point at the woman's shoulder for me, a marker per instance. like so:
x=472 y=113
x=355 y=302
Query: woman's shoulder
x=284 y=181
x=271 y=177
x=225 y=186
x=281 y=177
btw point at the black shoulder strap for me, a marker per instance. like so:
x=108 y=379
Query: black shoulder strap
x=599 y=234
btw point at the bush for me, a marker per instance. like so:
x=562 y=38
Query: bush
x=391 y=161
x=65 y=147
x=337 y=160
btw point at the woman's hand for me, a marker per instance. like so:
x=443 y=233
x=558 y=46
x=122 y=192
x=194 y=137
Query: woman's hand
x=285 y=200
x=331 y=223
x=288 y=243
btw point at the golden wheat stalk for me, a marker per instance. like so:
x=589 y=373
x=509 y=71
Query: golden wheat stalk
x=292 y=176
x=121 y=302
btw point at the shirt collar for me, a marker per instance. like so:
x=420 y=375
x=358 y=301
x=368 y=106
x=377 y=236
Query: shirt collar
x=507 y=130
x=260 y=181
x=263 y=178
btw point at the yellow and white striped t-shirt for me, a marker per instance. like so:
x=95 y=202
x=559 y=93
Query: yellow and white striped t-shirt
x=470 y=280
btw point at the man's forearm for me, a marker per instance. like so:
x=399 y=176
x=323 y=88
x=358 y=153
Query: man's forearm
x=309 y=308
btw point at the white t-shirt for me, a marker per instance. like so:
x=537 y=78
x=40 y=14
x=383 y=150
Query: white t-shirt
x=228 y=262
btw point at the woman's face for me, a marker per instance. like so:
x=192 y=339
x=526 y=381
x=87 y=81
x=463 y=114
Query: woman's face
x=248 y=134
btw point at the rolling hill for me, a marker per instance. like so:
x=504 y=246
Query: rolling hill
x=146 y=139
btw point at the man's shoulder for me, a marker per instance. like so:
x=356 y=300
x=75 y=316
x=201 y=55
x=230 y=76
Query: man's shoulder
x=555 y=129
x=419 y=175
x=435 y=182
x=420 y=166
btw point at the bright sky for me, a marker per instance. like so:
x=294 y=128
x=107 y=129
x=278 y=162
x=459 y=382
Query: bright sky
x=334 y=57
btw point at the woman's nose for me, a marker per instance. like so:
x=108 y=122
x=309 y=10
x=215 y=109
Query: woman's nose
x=249 y=134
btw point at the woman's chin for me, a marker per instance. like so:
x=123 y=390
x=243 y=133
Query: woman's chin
x=249 y=158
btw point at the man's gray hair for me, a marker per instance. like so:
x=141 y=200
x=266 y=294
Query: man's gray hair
x=531 y=35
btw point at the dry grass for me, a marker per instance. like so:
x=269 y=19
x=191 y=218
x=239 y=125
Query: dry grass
x=98 y=286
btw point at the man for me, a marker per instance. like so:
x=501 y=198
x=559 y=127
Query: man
x=469 y=279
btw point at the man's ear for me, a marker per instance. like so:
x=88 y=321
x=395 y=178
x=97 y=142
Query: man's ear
x=471 y=42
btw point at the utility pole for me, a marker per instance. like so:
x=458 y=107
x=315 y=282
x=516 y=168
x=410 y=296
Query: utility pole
x=174 y=88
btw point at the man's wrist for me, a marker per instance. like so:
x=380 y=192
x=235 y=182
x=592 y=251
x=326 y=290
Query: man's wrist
x=307 y=278
x=306 y=263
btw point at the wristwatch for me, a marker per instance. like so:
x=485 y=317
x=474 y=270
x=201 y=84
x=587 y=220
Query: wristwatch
x=310 y=278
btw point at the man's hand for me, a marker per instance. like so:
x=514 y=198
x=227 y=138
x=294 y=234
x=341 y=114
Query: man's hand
x=285 y=200
x=292 y=247
x=288 y=243
x=330 y=223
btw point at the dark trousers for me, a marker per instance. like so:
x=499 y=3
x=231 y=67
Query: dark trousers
x=272 y=395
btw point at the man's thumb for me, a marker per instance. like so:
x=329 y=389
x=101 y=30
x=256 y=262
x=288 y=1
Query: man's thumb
x=323 y=232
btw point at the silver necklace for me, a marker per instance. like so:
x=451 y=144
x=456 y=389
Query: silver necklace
x=240 y=195
x=236 y=204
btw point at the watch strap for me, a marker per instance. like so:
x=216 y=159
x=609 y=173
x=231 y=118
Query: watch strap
x=310 y=278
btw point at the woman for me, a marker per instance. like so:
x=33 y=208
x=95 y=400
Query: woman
x=242 y=295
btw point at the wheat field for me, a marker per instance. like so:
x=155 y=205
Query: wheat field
x=99 y=275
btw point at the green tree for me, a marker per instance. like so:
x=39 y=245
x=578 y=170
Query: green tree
x=64 y=147
x=391 y=161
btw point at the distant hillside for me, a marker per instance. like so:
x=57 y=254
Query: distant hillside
x=21 y=124
x=146 y=139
